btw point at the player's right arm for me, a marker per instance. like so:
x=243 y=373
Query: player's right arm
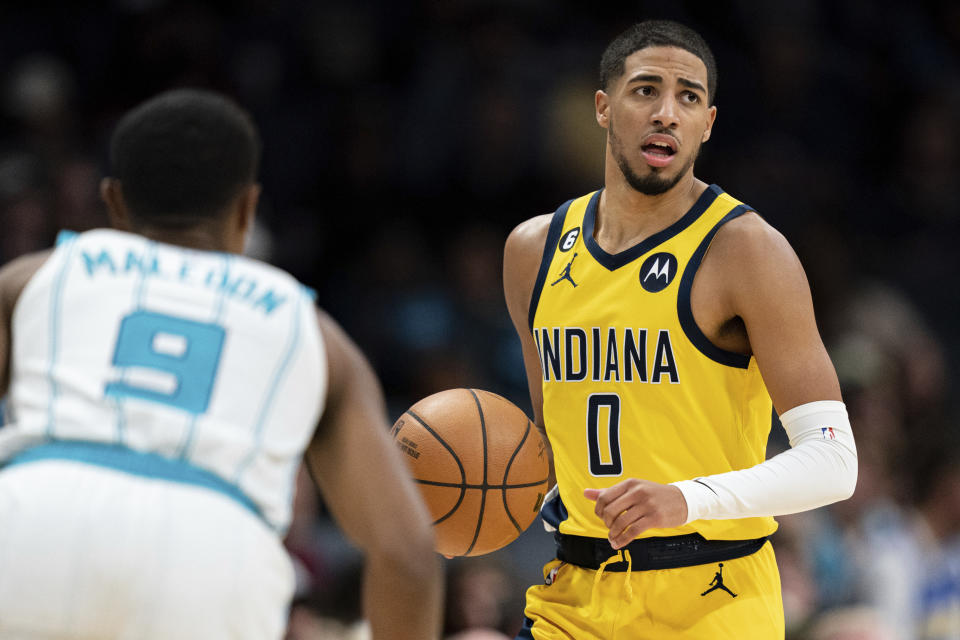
x=370 y=493
x=521 y=263
x=13 y=278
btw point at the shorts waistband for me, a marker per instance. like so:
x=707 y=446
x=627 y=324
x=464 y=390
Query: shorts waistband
x=646 y=554
x=138 y=463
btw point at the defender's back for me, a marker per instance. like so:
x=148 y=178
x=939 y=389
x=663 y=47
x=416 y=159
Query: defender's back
x=206 y=358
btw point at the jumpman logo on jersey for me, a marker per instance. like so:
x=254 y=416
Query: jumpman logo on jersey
x=565 y=274
x=718 y=584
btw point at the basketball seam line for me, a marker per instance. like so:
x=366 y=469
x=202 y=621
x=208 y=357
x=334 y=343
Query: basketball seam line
x=506 y=473
x=521 y=485
x=483 y=492
x=456 y=459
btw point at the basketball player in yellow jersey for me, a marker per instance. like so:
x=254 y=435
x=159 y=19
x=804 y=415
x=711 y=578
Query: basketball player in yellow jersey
x=660 y=318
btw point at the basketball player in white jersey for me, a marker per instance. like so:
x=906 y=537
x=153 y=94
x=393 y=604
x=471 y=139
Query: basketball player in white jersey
x=161 y=393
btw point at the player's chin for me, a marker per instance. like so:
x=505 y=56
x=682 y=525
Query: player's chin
x=655 y=180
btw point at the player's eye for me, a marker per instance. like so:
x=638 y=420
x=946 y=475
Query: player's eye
x=691 y=97
x=645 y=90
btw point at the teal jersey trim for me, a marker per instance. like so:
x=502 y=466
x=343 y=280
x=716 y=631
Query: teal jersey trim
x=279 y=374
x=137 y=463
x=55 y=317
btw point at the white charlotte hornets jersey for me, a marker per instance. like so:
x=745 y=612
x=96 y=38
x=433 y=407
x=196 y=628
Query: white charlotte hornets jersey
x=207 y=358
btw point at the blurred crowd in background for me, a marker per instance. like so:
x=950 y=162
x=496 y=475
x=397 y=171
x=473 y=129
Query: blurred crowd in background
x=403 y=141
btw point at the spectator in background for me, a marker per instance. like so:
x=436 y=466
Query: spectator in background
x=892 y=547
x=854 y=623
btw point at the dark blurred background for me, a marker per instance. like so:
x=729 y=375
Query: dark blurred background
x=403 y=141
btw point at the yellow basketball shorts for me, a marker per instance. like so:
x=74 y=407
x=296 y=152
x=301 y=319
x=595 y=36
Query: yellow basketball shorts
x=735 y=599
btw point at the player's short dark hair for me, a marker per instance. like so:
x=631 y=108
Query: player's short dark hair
x=183 y=155
x=657 y=33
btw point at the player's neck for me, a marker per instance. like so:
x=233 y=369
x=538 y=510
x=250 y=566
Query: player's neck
x=626 y=217
x=199 y=237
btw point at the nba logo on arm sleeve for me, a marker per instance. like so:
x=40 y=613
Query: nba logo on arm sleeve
x=828 y=433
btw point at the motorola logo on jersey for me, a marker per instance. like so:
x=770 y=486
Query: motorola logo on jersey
x=569 y=239
x=658 y=272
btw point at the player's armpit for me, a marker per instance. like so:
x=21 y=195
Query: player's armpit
x=522 y=255
x=369 y=491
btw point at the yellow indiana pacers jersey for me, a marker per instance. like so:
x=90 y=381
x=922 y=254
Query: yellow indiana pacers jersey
x=631 y=386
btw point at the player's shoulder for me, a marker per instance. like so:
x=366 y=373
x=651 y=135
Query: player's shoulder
x=524 y=248
x=749 y=240
x=17 y=272
x=15 y=275
x=752 y=262
x=25 y=264
x=521 y=262
x=530 y=234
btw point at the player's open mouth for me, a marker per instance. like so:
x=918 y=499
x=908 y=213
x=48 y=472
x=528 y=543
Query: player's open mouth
x=659 y=149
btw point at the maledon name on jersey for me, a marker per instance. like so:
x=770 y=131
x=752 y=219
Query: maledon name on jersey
x=206 y=358
x=631 y=386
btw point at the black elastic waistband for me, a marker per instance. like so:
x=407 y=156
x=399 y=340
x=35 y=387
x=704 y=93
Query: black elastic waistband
x=653 y=553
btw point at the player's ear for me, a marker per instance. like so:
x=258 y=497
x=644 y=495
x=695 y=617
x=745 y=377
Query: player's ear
x=711 y=118
x=112 y=195
x=602 y=103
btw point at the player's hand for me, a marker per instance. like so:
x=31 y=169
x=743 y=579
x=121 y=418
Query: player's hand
x=631 y=507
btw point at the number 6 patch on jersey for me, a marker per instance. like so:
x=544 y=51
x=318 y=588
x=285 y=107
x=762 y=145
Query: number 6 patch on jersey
x=167 y=359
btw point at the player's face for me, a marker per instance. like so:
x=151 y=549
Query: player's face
x=656 y=116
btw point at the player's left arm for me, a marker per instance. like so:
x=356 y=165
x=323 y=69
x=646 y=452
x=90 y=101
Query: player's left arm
x=771 y=295
x=766 y=287
x=763 y=283
x=373 y=499
x=13 y=278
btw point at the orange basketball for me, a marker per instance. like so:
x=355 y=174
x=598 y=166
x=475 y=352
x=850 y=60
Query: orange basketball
x=480 y=464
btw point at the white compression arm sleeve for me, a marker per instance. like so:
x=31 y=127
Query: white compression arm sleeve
x=819 y=468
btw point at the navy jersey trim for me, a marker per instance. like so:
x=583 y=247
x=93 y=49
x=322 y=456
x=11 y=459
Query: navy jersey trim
x=617 y=260
x=554 y=511
x=685 y=310
x=525 y=632
x=553 y=237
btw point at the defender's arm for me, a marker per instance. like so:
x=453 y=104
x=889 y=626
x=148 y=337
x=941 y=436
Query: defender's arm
x=370 y=492
x=521 y=262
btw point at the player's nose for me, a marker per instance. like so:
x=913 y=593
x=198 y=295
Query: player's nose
x=665 y=113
